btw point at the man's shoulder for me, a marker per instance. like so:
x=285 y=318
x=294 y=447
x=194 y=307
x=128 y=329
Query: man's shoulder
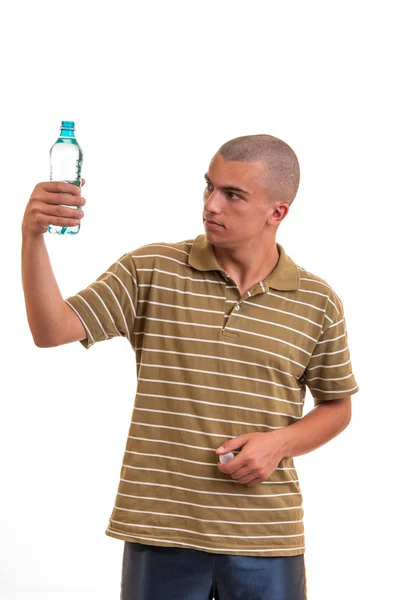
x=311 y=282
x=177 y=250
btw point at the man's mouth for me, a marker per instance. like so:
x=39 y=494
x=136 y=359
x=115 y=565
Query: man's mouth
x=212 y=223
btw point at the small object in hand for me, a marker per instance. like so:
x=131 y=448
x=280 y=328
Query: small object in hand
x=225 y=458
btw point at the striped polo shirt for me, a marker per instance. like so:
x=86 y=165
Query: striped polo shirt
x=212 y=365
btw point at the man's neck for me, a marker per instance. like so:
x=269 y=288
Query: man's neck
x=247 y=265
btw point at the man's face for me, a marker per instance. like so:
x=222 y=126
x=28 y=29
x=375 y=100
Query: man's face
x=235 y=208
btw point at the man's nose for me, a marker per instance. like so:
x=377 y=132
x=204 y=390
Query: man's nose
x=213 y=202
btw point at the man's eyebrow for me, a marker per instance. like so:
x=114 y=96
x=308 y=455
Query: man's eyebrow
x=228 y=187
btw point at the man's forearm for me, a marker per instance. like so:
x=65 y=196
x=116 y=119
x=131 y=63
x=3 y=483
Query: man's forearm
x=43 y=298
x=317 y=427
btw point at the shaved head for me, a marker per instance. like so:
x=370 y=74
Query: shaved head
x=281 y=167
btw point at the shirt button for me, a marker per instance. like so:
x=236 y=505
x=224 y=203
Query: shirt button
x=237 y=307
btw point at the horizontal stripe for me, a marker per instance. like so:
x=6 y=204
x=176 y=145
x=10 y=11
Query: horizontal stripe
x=167 y=289
x=339 y=337
x=214 y=521
x=217 y=312
x=330 y=353
x=317 y=282
x=241 y=316
x=184 y=489
x=166 y=246
x=160 y=256
x=343 y=392
x=347 y=362
x=197 y=462
x=194 y=431
x=313 y=292
x=330 y=378
x=169 y=441
x=337 y=324
x=178 y=543
x=215 y=404
x=176 y=337
x=207 y=387
x=218 y=373
x=285 y=312
x=156 y=441
x=193 y=416
x=247 y=537
x=268 y=337
x=187 y=323
x=273 y=294
x=213 y=357
x=191 y=476
x=262 y=509
x=181 y=276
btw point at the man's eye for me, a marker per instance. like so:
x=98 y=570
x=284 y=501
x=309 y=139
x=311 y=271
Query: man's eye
x=208 y=185
x=232 y=195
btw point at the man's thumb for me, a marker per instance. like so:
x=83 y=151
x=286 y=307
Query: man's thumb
x=230 y=445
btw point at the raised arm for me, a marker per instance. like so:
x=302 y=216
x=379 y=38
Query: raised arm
x=52 y=322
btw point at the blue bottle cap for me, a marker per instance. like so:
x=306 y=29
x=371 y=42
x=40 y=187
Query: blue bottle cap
x=68 y=125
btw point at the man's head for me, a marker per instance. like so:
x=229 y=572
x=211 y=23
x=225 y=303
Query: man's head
x=250 y=185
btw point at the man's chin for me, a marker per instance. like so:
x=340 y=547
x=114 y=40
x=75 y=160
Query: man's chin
x=214 y=233
x=216 y=237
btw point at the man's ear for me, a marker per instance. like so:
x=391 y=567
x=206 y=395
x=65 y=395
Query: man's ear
x=279 y=213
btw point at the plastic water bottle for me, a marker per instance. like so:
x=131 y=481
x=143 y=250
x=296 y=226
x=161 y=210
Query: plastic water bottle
x=66 y=159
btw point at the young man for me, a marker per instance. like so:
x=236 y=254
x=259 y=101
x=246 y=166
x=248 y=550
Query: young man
x=228 y=333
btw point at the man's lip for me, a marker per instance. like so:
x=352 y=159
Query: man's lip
x=213 y=222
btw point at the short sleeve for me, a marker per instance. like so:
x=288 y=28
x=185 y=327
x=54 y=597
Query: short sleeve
x=108 y=307
x=328 y=374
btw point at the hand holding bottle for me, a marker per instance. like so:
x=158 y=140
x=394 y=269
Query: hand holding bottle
x=49 y=205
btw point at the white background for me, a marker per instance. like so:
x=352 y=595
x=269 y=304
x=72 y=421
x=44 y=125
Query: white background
x=155 y=88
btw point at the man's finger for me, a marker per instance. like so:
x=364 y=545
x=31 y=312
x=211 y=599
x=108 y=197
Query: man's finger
x=60 y=187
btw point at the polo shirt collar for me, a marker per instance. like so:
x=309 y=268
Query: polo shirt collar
x=284 y=277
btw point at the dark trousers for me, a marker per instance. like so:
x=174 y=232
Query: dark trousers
x=164 y=573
